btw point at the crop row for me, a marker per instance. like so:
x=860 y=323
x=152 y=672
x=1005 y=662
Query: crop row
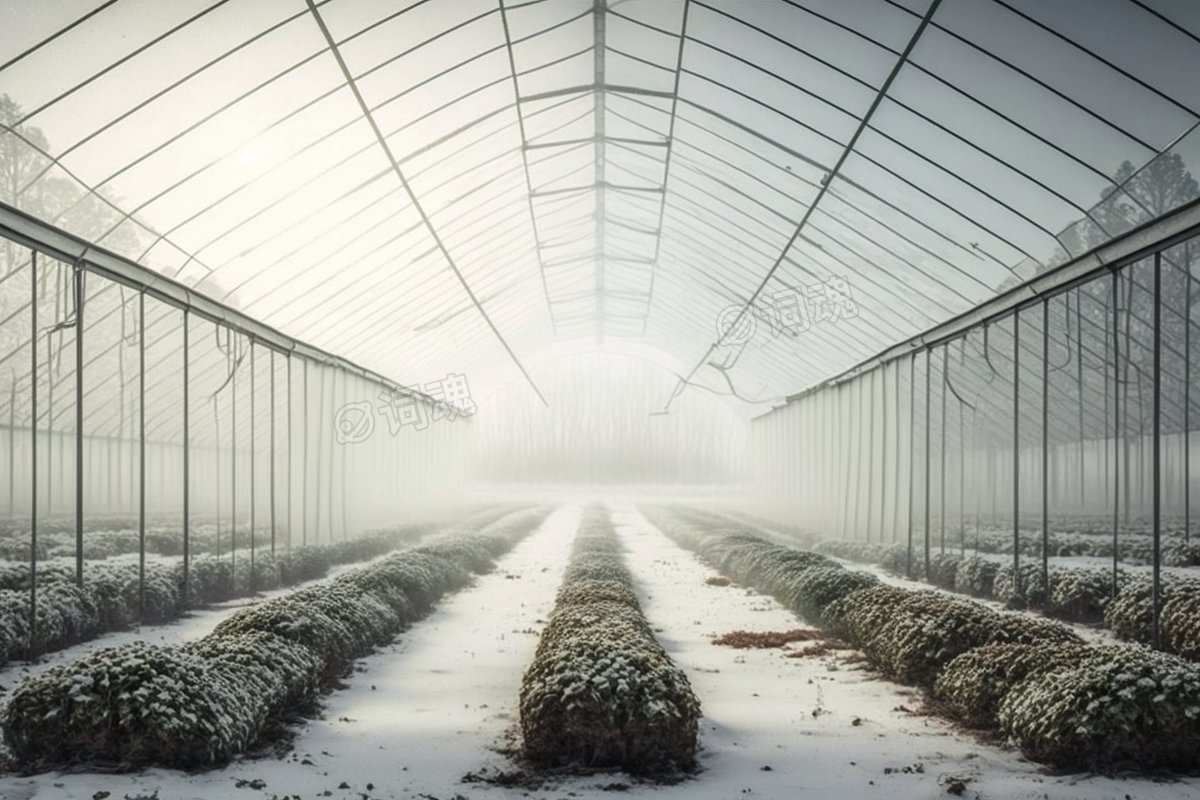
x=201 y=703
x=1072 y=593
x=113 y=596
x=601 y=692
x=1030 y=680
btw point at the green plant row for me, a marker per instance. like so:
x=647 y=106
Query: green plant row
x=111 y=599
x=601 y=692
x=201 y=703
x=1033 y=681
x=1071 y=593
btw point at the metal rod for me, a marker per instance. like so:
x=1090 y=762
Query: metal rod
x=942 y=484
x=1187 y=393
x=141 y=455
x=912 y=454
x=79 y=298
x=962 y=466
x=272 y=462
x=871 y=463
x=1116 y=446
x=1018 y=588
x=233 y=460
x=1156 y=466
x=928 y=473
x=253 y=442
x=304 y=461
x=33 y=451
x=290 y=451
x=896 y=458
x=1046 y=444
x=1079 y=385
x=187 y=412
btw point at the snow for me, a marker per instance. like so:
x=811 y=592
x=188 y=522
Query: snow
x=421 y=713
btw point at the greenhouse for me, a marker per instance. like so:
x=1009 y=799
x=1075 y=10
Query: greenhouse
x=466 y=399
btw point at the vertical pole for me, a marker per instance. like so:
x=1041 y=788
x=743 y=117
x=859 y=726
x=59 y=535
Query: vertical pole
x=290 y=451
x=1046 y=442
x=942 y=484
x=1079 y=385
x=253 y=442
x=962 y=462
x=1156 y=449
x=142 y=454
x=12 y=438
x=233 y=459
x=871 y=463
x=187 y=412
x=79 y=298
x=1018 y=588
x=33 y=451
x=1187 y=392
x=928 y=460
x=304 y=460
x=1116 y=474
x=272 y=452
x=912 y=454
x=896 y=459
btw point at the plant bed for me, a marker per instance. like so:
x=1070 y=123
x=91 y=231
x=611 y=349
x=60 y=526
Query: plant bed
x=600 y=691
x=201 y=703
x=1119 y=707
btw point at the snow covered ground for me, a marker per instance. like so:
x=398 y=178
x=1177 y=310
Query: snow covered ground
x=436 y=705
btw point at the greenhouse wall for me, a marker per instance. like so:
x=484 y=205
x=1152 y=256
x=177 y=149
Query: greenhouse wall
x=187 y=417
x=1047 y=412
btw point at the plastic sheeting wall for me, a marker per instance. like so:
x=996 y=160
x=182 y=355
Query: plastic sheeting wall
x=1084 y=386
x=309 y=451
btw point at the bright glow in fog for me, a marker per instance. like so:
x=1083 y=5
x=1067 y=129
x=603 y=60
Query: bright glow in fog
x=601 y=428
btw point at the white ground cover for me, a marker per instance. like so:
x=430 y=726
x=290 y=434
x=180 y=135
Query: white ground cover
x=420 y=714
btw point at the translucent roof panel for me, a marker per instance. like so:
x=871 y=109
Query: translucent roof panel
x=766 y=192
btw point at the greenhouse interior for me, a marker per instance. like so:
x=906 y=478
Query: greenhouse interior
x=706 y=399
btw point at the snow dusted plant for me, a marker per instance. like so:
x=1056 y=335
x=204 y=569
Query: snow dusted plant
x=600 y=690
x=815 y=588
x=976 y=575
x=203 y=702
x=1181 y=625
x=943 y=570
x=1031 y=592
x=1079 y=593
x=1122 y=704
x=1130 y=614
x=911 y=636
x=973 y=684
x=134 y=704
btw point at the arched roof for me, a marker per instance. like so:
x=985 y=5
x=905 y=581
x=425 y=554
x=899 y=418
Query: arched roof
x=453 y=185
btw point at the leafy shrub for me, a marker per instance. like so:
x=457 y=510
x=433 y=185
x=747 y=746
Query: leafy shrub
x=943 y=570
x=1130 y=614
x=600 y=690
x=976 y=576
x=815 y=588
x=1079 y=593
x=1180 y=623
x=1120 y=704
x=973 y=684
x=911 y=636
x=203 y=702
x=134 y=704
x=1032 y=590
